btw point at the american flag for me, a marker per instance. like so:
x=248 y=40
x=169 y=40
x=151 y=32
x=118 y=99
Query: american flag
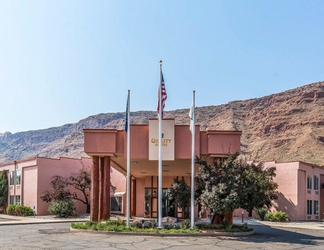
x=162 y=94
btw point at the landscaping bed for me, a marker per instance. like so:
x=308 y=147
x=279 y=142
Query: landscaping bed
x=148 y=227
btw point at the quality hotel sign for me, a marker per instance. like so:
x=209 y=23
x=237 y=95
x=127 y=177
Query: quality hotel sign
x=167 y=140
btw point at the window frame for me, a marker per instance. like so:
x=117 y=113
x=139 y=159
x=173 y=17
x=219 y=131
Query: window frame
x=316 y=182
x=119 y=200
x=309 y=182
x=309 y=207
x=18 y=200
x=18 y=177
x=12 y=178
x=316 y=207
x=11 y=199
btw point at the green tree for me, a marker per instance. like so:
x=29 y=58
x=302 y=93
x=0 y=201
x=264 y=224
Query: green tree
x=259 y=189
x=217 y=186
x=3 y=188
x=180 y=194
x=224 y=187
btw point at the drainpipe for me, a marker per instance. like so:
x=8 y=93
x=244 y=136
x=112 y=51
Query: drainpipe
x=14 y=181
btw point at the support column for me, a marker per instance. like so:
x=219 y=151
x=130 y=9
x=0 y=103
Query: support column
x=106 y=188
x=101 y=188
x=94 y=189
x=133 y=197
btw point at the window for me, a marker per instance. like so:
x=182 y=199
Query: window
x=309 y=182
x=309 y=207
x=116 y=204
x=18 y=177
x=315 y=182
x=316 y=207
x=12 y=178
x=18 y=199
x=12 y=199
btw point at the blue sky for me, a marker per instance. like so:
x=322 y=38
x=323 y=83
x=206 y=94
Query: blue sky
x=62 y=61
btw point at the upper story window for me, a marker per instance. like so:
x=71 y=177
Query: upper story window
x=309 y=182
x=12 y=178
x=316 y=182
x=18 y=177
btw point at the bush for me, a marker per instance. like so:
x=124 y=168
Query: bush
x=261 y=212
x=62 y=209
x=118 y=222
x=19 y=210
x=11 y=209
x=184 y=224
x=277 y=216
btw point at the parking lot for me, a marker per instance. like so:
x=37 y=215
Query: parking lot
x=58 y=236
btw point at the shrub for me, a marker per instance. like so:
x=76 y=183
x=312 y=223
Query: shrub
x=11 y=209
x=277 y=216
x=184 y=224
x=19 y=210
x=118 y=222
x=261 y=212
x=62 y=209
x=170 y=225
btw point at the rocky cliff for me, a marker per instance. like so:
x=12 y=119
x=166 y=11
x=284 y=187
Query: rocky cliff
x=287 y=126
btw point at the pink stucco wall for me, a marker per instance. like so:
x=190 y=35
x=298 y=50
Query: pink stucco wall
x=291 y=178
x=287 y=188
x=65 y=167
x=223 y=142
x=36 y=174
x=183 y=146
x=100 y=140
x=29 y=197
x=138 y=133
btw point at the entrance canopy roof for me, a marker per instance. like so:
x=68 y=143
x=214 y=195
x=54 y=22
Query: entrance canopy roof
x=112 y=142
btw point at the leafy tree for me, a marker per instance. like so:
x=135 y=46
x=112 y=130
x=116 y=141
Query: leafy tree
x=224 y=187
x=82 y=182
x=217 y=186
x=3 y=188
x=259 y=189
x=58 y=192
x=180 y=193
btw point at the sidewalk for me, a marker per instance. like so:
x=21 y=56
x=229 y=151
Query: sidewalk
x=314 y=225
x=19 y=220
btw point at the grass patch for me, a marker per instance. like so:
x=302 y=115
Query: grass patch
x=120 y=226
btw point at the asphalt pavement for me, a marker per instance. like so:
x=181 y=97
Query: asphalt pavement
x=18 y=220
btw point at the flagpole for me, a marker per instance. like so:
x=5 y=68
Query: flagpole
x=128 y=162
x=160 y=153
x=193 y=161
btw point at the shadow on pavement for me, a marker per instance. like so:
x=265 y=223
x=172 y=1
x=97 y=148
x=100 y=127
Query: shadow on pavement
x=268 y=234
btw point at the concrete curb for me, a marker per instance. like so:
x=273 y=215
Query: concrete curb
x=8 y=223
x=215 y=234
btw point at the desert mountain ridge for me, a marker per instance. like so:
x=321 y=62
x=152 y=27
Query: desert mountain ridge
x=287 y=126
